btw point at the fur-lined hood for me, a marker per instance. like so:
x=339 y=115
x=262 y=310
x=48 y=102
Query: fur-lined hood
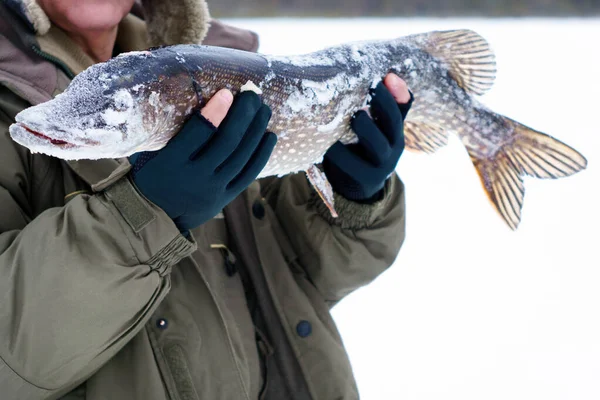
x=169 y=22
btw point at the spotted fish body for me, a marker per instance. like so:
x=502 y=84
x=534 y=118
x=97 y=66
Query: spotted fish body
x=139 y=100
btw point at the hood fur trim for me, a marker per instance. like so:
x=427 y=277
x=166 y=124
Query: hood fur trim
x=176 y=22
x=169 y=22
x=36 y=16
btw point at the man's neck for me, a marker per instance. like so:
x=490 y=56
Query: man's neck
x=98 y=45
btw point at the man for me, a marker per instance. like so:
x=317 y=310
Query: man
x=121 y=279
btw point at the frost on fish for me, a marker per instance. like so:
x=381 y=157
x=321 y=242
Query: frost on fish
x=110 y=110
x=316 y=110
x=250 y=86
x=138 y=101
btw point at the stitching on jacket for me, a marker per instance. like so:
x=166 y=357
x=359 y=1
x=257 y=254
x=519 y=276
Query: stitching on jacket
x=20 y=376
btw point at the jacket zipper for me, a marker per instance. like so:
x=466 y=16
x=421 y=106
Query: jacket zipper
x=54 y=60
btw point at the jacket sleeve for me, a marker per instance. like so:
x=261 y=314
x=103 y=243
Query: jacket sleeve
x=340 y=254
x=78 y=281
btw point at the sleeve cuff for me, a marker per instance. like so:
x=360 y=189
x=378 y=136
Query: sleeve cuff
x=154 y=237
x=353 y=215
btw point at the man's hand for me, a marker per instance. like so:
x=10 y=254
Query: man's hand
x=214 y=157
x=217 y=107
x=359 y=171
x=397 y=88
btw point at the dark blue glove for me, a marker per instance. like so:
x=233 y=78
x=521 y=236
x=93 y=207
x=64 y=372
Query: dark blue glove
x=359 y=171
x=203 y=167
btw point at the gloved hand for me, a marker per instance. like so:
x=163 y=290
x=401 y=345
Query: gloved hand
x=359 y=171
x=203 y=167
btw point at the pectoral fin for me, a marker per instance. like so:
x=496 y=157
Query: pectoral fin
x=319 y=181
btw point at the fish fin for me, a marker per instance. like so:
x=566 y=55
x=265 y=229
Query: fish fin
x=468 y=57
x=424 y=136
x=318 y=180
x=528 y=152
x=542 y=156
x=503 y=184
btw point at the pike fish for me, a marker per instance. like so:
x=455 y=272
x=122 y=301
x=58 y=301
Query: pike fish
x=137 y=101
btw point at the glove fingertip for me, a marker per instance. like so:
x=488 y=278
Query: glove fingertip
x=362 y=113
x=266 y=145
x=271 y=138
x=361 y=123
x=249 y=99
x=264 y=149
x=256 y=164
x=335 y=150
x=264 y=113
x=267 y=107
x=405 y=108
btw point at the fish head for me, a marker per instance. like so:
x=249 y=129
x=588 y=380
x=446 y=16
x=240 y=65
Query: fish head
x=110 y=110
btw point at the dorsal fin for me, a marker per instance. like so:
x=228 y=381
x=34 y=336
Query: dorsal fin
x=468 y=57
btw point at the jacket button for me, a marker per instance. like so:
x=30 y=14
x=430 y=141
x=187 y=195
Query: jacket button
x=304 y=328
x=258 y=209
x=162 y=323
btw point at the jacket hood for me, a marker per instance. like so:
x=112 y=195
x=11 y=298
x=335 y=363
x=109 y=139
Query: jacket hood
x=169 y=22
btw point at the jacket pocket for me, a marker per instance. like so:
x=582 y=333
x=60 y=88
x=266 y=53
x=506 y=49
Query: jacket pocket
x=173 y=337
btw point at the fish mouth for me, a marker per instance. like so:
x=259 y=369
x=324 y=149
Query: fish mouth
x=56 y=142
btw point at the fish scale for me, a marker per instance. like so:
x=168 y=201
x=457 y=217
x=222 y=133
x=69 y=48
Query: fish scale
x=139 y=100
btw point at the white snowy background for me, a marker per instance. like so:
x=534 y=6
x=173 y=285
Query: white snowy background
x=471 y=309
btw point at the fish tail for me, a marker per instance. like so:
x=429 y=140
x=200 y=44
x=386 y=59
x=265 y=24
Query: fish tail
x=526 y=152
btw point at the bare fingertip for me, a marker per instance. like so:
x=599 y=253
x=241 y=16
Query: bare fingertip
x=225 y=95
x=403 y=98
x=393 y=80
x=398 y=88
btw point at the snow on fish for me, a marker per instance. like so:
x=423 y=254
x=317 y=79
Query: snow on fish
x=139 y=100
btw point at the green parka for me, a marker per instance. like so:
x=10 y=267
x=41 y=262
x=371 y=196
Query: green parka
x=101 y=297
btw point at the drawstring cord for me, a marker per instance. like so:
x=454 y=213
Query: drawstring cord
x=230 y=258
